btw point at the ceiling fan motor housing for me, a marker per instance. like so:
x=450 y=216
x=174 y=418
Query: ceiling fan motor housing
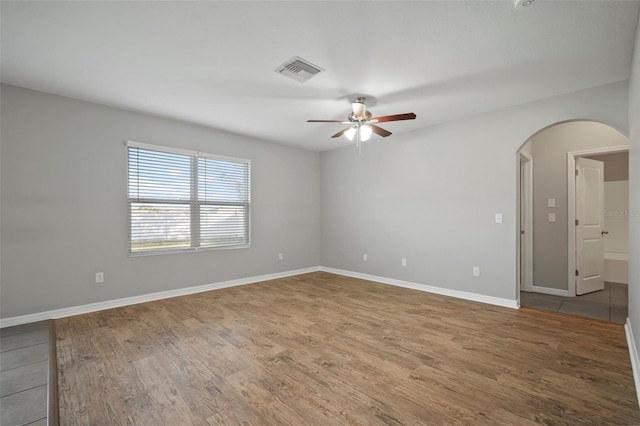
x=366 y=117
x=359 y=109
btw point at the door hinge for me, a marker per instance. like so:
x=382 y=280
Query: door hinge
x=577 y=273
x=576 y=172
x=577 y=222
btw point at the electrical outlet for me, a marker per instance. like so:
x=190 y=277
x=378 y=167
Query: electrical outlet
x=364 y=257
x=404 y=262
x=476 y=271
x=498 y=217
x=280 y=256
x=99 y=277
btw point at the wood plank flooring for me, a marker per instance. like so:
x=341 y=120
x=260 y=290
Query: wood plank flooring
x=323 y=349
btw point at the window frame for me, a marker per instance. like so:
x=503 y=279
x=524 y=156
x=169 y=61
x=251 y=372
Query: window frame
x=194 y=203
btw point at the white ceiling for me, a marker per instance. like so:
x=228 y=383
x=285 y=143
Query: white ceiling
x=213 y=62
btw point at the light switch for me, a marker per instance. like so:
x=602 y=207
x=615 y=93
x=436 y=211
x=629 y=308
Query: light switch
x=552 y=217
x=498 y=217
x=551 y=202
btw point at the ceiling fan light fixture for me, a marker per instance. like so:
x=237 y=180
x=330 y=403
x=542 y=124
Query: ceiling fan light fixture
x=350 y=133
x=365 y=132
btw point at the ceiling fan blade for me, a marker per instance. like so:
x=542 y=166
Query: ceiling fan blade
x=379 y=131
x=341 y=132
x=397 y=117
x=324 y=121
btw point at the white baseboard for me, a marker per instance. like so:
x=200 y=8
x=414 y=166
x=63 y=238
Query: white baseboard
x=507 y=303
x=549 y=290
x=109 y=304
x=99 y=306
x=633 y=354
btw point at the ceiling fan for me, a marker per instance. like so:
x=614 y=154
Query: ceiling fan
x=363 y=124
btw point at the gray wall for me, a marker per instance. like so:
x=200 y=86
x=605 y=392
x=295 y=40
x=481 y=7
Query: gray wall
x=550 y=148
x=431 y=195
x=64 y=210
x=634 y=194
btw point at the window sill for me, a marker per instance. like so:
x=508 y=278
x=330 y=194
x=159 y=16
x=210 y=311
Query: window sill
x=189 y=250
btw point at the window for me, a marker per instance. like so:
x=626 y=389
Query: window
x=183 y=200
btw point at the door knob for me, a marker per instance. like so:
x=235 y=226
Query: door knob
x=604 y=232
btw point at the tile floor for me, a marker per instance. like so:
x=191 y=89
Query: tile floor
x=610 y=304
x=24 y=363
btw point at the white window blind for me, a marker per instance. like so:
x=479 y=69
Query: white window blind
x=184 y=200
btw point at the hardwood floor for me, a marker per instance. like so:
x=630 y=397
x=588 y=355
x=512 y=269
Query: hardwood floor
x=324 y=349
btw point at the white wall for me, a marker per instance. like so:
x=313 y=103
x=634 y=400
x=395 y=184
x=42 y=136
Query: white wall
x=634 y=195
x=550 y=148
x=64 y=210
x=431 y=195
x=616 y=218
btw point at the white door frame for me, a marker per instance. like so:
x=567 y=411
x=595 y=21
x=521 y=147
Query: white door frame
x=571 y=206
x=526 y=199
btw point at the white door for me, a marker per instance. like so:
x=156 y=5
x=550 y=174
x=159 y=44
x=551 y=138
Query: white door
x=590 y=216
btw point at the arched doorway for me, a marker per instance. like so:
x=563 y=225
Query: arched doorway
x=547 y=250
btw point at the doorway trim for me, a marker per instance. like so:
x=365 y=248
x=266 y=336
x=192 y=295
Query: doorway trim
x=571 y=206
x=526 y=240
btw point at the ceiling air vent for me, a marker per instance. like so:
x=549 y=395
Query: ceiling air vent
x=298 y=69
